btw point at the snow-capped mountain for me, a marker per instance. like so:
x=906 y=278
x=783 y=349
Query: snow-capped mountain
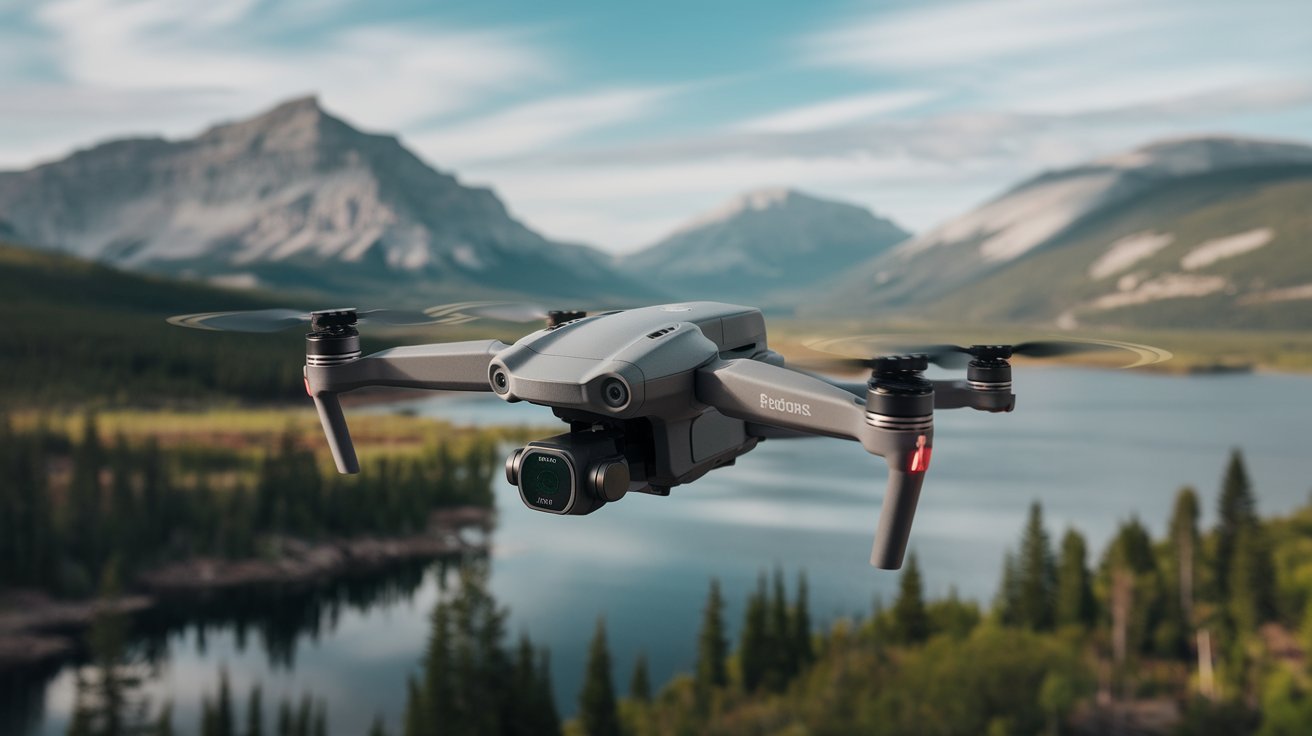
x=1170 y=228
x=295 y=197
x=766 y=245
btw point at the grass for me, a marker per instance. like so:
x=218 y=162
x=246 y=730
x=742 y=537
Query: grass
x=249 y=433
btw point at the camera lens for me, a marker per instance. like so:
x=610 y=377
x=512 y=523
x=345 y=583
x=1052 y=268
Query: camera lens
x=546 y=480
x=614 y=393
x=499 y=381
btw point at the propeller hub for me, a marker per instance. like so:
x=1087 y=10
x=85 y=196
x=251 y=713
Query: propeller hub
x=893 y=364
x=990 y=352
x=333 y=320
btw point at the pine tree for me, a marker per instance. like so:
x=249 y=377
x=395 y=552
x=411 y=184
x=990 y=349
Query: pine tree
x=123 y=515
x=1007 y=601
x=524 y=684
x=779 y=637
x=1134 y=580
x=805 y=653
x=712 y=646
x=285 y=725
x=108 y=701
x=598 y=714
x=255 y=712
x=1036 y=574
x=640 y=683
x=1242 y=605
x=910 y=621
x=1075 y=606
x=530 y=707
x=1236 y=510
x=84 y=510
x=1253 y=601
x=753 y=654
x=1184 y=551
x=549 y=718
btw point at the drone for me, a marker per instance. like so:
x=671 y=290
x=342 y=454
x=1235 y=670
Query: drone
x=658 y=396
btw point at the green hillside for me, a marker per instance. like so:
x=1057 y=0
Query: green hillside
x=78 y=331
x=1250 y=290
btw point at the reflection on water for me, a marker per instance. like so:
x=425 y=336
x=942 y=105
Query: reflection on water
x=1094 y=447
x=274 y=635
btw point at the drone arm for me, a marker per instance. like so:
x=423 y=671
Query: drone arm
x=779 y=402
x=960 y=394
x=451 y=366
x=457 y=366
x=770 y=395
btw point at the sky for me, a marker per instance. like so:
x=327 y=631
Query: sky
x=610 y=123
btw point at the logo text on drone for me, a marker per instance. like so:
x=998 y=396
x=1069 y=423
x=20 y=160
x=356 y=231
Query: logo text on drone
x=785 y=406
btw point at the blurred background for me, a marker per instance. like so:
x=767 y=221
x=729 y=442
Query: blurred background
x=1127 y=552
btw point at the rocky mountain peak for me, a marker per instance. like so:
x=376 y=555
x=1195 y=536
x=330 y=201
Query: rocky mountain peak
x=296 y=125
x=764 y=200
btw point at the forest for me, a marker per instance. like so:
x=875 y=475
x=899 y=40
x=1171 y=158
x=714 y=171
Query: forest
x=1207 y=626
x=71 y=506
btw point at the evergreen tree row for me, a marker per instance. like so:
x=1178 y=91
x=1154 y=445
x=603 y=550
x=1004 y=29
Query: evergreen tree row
x=127 y=502
x=472 y=684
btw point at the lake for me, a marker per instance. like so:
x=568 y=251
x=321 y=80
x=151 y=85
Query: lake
x=1094 y=447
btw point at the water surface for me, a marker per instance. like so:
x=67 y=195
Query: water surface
x=1094 y=447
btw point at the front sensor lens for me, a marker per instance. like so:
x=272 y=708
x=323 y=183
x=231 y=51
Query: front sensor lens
x=500 y=382
x=614 y=393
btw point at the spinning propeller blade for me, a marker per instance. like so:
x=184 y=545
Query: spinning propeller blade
x=959 y=356
x=274 y=320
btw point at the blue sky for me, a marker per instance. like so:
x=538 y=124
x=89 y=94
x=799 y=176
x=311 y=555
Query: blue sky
x=612 y=122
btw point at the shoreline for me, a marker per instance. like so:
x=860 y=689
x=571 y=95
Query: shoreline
x=36 y=628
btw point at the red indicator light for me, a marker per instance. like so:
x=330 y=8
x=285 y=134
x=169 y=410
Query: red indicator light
x=920 y=458
x=307 y=388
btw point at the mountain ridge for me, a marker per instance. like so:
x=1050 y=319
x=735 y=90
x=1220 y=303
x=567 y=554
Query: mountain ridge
x=294 y=198
x=768 y=244
x=999 y=261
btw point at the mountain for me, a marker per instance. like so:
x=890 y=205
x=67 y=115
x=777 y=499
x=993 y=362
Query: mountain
x=295 y=198
x=1204 y=232
x=768 y=245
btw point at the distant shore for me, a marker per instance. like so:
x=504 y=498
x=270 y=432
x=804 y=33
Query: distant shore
x=36 y=628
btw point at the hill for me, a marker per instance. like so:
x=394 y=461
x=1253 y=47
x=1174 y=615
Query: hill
x=79 y=331
x=766 y=247
x=1188 y=234
x=296 y=198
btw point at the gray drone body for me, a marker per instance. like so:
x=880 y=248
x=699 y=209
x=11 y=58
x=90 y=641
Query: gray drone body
x=658 y=396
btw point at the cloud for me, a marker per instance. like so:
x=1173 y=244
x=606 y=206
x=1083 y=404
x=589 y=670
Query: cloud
x=173 y=67
x=1069 y=55
x=534 y=125
x=918 y=169
x=959 y=33
x=835 y=112
x=952 y=136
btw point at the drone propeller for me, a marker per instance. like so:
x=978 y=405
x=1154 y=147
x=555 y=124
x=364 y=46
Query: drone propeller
x=958 y=356
x=275 y=320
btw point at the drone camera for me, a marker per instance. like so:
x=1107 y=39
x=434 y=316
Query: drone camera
x=574 y=473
